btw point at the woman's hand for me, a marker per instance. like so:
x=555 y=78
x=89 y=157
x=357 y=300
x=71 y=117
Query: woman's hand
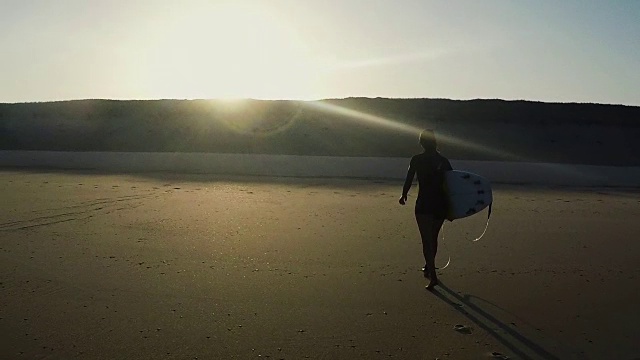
x=403 y=199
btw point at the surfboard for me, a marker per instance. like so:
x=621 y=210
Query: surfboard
x=467 y=193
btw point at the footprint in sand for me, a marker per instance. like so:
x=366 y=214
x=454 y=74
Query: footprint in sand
x=497 y=355
x=462 y=329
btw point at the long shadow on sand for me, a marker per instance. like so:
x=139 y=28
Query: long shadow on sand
x=520 y=345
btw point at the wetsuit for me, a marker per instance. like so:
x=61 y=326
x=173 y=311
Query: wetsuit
x=430 y=168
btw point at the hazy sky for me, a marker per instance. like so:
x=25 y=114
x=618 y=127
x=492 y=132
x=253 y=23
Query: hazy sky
x=566 y=51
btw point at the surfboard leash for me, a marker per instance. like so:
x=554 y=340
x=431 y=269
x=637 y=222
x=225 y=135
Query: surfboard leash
x=487 y=225
x=448 y=261
x=478 y=238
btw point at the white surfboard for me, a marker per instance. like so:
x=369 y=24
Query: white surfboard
x=467 y=193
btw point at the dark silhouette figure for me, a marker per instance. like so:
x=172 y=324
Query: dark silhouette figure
x=431 y=205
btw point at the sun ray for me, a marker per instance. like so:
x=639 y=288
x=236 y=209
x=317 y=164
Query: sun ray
x=394 y=125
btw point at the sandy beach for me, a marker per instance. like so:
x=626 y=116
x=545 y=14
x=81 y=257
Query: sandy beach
x=162 y=266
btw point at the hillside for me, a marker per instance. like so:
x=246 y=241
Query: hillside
x=471 y=130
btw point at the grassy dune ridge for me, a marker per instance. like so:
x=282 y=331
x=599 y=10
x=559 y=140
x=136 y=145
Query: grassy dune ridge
x=484 y=129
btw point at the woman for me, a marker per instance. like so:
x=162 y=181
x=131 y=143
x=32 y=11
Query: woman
x=431 y=204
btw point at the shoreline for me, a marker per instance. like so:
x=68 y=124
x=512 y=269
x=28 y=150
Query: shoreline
x=316 y=166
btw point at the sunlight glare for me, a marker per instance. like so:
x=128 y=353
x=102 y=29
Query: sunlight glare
x=395 y=125
x=230 y=50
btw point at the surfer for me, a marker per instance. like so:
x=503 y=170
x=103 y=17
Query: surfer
x=430 y=210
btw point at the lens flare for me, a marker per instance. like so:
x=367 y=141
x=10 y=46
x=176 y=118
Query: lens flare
x=256 y=117
x=395 y=125
x=363 y=117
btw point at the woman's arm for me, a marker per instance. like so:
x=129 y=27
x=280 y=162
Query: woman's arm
x=411 y=172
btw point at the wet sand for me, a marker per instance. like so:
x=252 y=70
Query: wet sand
x=160 y=266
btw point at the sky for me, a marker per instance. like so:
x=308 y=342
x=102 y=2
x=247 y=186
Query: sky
x=541 y=50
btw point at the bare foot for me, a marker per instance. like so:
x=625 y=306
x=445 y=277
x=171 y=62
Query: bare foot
x=432 y=284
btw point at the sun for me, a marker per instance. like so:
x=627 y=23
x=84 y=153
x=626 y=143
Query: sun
x=230 y=50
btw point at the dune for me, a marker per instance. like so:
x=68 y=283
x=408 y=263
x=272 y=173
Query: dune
x=480 y=130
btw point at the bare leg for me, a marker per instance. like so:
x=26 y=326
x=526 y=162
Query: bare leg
x=437 y=225
x=426 y=224
x=424 y=228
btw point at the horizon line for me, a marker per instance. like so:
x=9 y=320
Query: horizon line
x=315 y=100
